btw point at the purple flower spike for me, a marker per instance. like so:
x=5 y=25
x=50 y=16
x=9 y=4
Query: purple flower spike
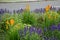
x=1 y=11
x=42 y=10
x=53 y=27
x=58 y=27
x=39 y=31
x=20 y=10
x=25 y=30
x=37 y=10
x=31 y=30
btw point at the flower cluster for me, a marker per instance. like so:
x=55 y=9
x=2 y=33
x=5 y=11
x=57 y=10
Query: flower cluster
x=30 y=30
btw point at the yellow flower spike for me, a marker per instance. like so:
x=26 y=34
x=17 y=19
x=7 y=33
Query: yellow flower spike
x=7 y=22
x=12 y=21
x=27 y=7
x=7 y=27
x=47 y=8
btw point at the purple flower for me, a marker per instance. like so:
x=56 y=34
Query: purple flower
x=39 y=31
x=31 y=30
x=53 y=27
x=1 y=11
x=37 y=10
x=58 y=27
x=25 y=30
x=42 y=10
x=19 y=11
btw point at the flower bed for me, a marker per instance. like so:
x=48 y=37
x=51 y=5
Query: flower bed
x=31 y=26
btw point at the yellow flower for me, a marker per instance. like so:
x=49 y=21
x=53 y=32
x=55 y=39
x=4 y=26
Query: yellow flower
x=27 y=7
x=12 y=21
x=7 y=22
x=47 y=7
x=7 y=27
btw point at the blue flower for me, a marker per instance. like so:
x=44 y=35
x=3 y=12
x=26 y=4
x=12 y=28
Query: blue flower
x=39 y=31
x=42 y=10
x=20 y=11
x=32 y=30
x=25 y=30
x=37 y=10
x=58 y=27
x=1 y=11
x=53 y=27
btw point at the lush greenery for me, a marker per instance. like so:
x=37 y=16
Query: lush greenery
x=31 y=26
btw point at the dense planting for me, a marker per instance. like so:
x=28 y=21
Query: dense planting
x=26 y=25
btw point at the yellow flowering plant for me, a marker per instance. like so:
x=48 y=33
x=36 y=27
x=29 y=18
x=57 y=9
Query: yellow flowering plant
x=47 y=8
x=27 y=7
x=12 y=21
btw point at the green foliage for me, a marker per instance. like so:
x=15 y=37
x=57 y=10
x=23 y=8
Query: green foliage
x=29 y=18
